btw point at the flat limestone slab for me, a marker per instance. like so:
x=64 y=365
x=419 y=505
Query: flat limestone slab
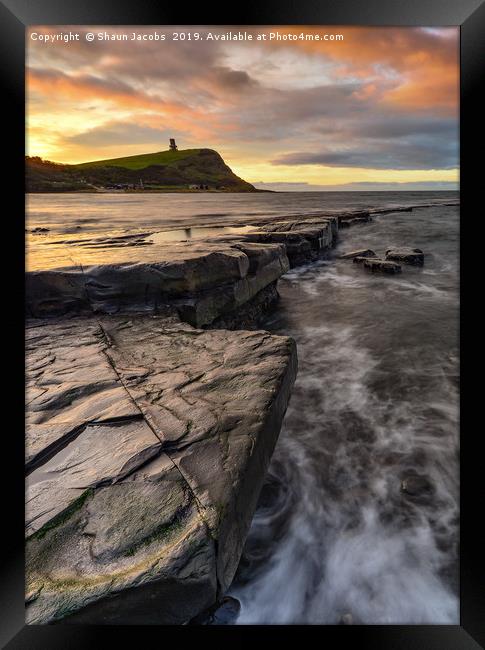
x=301 y=222
x=70 y=383
x=304 y=239
x=203 y=280
x=142 y=517
x=100 y=454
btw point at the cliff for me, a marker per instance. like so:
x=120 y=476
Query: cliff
x=162 y=171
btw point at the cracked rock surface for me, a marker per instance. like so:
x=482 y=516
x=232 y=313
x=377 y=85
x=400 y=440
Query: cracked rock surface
x=147 y=444
x=148 y=440
x=304 y=239
x=202 y=280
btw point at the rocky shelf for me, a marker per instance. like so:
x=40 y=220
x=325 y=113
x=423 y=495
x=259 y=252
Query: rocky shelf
x=151 y=420
x=148 y=438
x=147 y=445
x=202 y=280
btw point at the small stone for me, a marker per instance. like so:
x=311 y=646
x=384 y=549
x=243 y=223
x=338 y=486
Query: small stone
x=227 y=612
x=416 y=485
x=374 y=264
x=366 y=252
x=414 y=256
x=347 y=619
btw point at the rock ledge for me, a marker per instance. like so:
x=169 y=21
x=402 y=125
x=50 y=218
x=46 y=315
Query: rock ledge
x=147 y=445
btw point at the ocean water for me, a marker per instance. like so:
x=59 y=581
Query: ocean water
x=334 y=538
x=99 y=213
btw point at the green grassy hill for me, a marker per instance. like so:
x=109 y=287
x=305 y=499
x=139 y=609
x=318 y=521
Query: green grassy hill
x=144 y=160
x=158 y=171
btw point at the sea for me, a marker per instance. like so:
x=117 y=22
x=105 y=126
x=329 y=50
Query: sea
x=335 y=538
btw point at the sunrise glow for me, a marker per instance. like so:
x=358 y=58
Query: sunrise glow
x=379 y=106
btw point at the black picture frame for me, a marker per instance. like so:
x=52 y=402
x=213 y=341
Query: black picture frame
x=15 y=15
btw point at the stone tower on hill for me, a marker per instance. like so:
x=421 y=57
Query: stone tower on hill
x=173 y=146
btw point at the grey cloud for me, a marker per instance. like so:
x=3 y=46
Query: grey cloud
x=147 y=61
x=118 y=133
x=396 y=126
x=234 y=79
x=428 y=153
x=269 y=114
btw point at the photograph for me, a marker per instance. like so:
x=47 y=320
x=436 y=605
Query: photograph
x=242 y=325
x=240 y=322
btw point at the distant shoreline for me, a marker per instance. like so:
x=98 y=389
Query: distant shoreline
x=232 y=191
x=164 y=191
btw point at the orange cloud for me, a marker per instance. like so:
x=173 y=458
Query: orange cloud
x=379 y=92
x=82 y=88
x=422 y=67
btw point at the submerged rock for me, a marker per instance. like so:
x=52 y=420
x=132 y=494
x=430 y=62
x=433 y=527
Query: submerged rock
x=350 y=218
x=374 y=264
x=360 y=220
x=347 y=619
x=147 y=445
x=366 y=252
x=223 y=613
x=417 y=485
x=413 y=256
x=359 y=259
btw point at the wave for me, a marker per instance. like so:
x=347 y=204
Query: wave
x=336 y=540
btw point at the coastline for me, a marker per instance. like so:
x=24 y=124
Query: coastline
x=253 y=263
x=154 y=191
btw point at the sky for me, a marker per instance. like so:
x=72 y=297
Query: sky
x=377 y=109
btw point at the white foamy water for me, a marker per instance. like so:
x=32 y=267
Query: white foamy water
x=334 y=537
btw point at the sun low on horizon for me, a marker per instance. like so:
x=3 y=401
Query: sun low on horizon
x=286 y=107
